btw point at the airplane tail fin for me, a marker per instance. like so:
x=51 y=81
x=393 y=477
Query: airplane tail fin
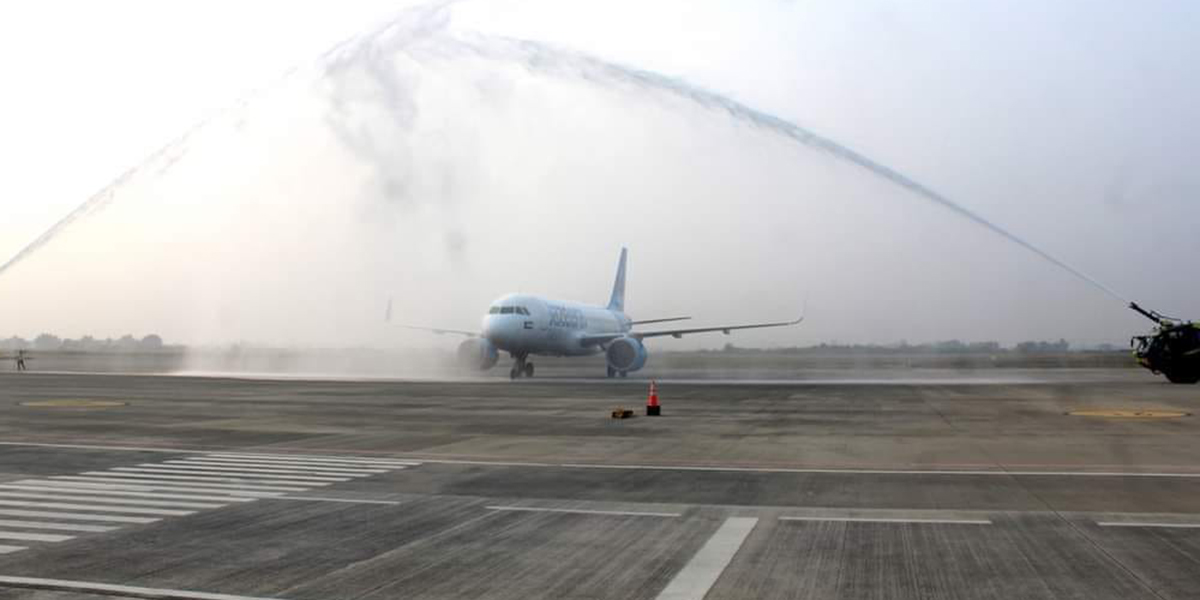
x=617 y=301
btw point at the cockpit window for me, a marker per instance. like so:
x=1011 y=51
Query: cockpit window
x=508 y=310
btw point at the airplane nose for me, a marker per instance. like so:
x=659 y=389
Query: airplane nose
x=499 y=329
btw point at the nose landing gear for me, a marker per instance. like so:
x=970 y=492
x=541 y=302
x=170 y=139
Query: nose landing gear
x=521 y=367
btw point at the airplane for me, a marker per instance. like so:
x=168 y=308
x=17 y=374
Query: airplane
x=524 y=325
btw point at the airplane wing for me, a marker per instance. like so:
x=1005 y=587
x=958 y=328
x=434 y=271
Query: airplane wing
x=591 y=340
x=440 y=331
x=668 y=319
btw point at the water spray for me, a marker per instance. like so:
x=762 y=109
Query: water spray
x=424 y=27
x=547 y=60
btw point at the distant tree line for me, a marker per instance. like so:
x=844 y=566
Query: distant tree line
x=50 y=343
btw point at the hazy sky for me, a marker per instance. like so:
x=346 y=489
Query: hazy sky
x=413 y=170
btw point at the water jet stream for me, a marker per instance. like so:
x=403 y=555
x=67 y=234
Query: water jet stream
x=421 y=33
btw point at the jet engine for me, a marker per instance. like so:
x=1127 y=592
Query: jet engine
x=478 y=354
x=625 y=354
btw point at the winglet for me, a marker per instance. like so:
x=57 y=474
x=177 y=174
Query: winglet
x=617 y=300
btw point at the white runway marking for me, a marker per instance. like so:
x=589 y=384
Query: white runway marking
x=118 y=480
x=411 y=462
x=110 y=589
x=79 y=489
x=255 y=469
x=41 y=514
x=34 y=537
x=302 y=480
x=1147 y=524
x=70 y=496
x=583 y=511
x=700 y=573
x=346 y=500
x=300 y=458
x=285 y=467
x=177 y=487
x=292 y=486
x=892 y=520
x=91 y=507
x=55 y=526
x=817 y=470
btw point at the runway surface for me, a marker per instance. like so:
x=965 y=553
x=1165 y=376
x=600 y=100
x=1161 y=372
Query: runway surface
x=927 y=487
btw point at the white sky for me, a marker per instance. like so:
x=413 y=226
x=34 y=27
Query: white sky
x=1073 y=124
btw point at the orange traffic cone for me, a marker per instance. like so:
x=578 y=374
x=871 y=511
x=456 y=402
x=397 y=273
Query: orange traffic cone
x=652 y=407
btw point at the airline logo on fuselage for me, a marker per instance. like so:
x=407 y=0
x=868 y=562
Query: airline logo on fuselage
x=562 y=317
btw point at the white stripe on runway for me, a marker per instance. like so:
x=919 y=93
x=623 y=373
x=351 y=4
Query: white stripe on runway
x=323 y=468
x=733 y=469
x=238 y=474
x=1147 y=524
x=109 y=589
x=41 y=514
x=118 y=480
x=223 y=473
x=300 y=458
x=346 y=500
x=187 y=464
x=821 y=470
x=700 y=573
x=34 y=537
x=891 y=520
x=7 y=549
x=293 y=486
x=71 y=495
x=583 y=511
x=55 y=526
x=90 y=507
x=78 y=489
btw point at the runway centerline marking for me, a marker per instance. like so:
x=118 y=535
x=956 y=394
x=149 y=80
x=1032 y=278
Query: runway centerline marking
x=700 y=573
x=110 y=589
x=928 y=520
x=1147 y=524
x=584 y=511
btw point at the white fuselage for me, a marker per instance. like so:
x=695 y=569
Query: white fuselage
x=523 y=324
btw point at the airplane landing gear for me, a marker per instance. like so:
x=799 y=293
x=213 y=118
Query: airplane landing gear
x=521 y=368
x=611 y=372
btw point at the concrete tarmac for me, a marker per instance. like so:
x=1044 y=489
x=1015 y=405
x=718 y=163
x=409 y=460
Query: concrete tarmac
x=921 y=487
